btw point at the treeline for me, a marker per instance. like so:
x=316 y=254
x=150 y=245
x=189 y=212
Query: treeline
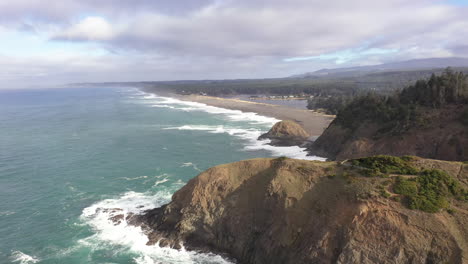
x=402 y=109
x=329 y=104
x=283 y=86
x=451 y=87
x=320 y=86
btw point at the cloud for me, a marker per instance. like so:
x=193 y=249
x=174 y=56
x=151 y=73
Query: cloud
x=234 y=38
x=89 y=29
x=294 y=29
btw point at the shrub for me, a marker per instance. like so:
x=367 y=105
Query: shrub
x=383 y=164
x=430 y=191
x=385 y=194
x=451 y=211
x=282 y=158
x=406 y=187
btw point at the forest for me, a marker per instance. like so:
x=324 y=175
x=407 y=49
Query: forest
x=343 y=84
x=402 y=109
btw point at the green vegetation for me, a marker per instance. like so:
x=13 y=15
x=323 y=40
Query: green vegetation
x=381 y=165
x=406 y=187
x=430 y=191
x=451 y=211
x=426 y=190
x=281 y=158
x=383 y=192
x=400 y=111
x=451 y=87
x=280 y=86
x=331 y=104
x=331 y=91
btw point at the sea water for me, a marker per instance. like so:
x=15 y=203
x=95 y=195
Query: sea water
x=68 y=154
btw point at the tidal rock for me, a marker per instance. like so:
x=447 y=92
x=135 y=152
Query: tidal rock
x=286 y=133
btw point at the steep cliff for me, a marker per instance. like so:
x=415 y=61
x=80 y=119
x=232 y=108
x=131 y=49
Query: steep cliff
x=438 y=134
x=286 y=133
x=296 y=211
x=427 y=119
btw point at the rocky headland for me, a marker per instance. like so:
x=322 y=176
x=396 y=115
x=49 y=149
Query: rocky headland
x=428 y=119
x=440 y=134
x=375 y=210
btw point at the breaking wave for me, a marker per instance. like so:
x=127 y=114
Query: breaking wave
x=130 y=237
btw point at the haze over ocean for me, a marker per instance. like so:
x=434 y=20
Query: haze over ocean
x=66 y=152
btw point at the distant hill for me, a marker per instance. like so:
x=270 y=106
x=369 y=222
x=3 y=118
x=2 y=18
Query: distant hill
x=417 y=64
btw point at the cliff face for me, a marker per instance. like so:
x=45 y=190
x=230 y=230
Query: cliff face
x=440 y=136
x=296 y=211
x=286 y=133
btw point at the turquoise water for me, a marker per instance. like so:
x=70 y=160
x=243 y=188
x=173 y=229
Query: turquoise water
x=67 y=154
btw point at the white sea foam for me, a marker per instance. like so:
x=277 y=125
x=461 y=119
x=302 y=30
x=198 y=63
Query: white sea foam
x=131 y=237
x=160 y=182
x=250 y=135
x=190 y=164
x=163 y=106
x=252 y=142
x=232 y=115
x=22 y=258
x=136 y=178
x=7 y=213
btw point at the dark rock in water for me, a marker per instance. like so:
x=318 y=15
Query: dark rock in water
x=286 y=133
x=283 y=211
x=117 y=219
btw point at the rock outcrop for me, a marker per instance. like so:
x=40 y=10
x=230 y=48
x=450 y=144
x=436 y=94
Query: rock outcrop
x=441 y=135
x=296 y=211
x=286 y=133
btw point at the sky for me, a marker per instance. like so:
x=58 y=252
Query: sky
x=66 y=41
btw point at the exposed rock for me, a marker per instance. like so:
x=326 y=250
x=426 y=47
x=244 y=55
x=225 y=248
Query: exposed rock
x=296 y=211
x=286 y=133
x=117 y=219
x=442 y=137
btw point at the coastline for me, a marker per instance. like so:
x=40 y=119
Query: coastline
x=314 y=123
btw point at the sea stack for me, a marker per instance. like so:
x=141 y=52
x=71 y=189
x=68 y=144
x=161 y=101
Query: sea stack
x=286 y=133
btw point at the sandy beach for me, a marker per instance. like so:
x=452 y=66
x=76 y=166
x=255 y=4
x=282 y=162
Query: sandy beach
x=313 y=122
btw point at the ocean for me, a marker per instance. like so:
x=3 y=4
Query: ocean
x=68 y=154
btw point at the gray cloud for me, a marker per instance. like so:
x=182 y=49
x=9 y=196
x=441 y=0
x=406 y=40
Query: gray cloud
x=231 y=39
x=292 y=28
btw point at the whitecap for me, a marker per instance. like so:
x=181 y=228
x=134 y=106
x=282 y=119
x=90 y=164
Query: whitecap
x=250 y=135
x=22 y=258
x=133 y=238
x=232 y=115
x=163 y=106
x=132 y=179
x=160 y=182
x=252 y=143
x=190 y=164
x=7 y=213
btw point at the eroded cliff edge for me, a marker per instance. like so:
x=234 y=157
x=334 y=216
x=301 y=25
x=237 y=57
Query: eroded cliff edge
x=440 y=134
x=296 y=211
x=427 y=119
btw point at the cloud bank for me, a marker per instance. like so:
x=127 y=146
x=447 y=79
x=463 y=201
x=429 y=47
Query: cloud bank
x=163 y=40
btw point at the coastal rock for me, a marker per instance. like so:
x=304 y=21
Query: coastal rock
x=441 y=136
x=286 y=133
x=295 y=211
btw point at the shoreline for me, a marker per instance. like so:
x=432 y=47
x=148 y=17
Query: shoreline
x=314 y=123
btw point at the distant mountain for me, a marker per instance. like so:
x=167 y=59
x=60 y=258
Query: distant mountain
x=417 y=64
